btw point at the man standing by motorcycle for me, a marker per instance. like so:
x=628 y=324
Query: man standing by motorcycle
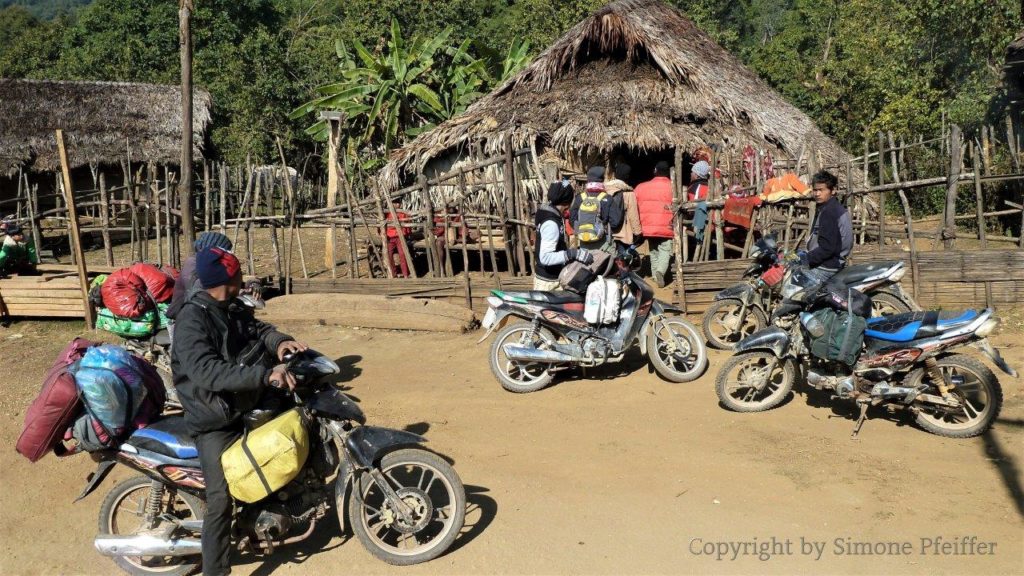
x=831 y=239
x=219 y=372
x=553 y=252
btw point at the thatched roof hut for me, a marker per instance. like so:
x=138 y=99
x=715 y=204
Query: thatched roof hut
x=636 y=74
x=102 y=121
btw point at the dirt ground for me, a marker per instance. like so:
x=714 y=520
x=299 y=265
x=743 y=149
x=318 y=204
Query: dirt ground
x=616 y=473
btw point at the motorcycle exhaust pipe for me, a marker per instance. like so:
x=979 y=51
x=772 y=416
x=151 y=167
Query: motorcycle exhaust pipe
x=146 y=545
x=518 y=353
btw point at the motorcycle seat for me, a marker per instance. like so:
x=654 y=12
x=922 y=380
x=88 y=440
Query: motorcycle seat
x=916 y=325
x=556 y=297
x=167 y=436
x=857 y=273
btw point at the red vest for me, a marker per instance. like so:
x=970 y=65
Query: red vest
x=653 y=199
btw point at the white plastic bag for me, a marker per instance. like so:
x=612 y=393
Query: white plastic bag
x=603 y=301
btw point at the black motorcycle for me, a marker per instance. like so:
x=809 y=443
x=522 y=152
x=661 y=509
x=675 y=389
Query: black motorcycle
x=541 y=333
x=742 y=309
x=405 y=504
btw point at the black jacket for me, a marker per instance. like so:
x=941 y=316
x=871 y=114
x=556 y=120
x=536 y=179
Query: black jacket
x=831 y=237
x=220 y=360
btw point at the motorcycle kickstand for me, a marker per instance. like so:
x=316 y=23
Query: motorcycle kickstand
x=860 y=420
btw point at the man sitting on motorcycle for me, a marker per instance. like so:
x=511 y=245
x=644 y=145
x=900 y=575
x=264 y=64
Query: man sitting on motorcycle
x=219 y=371
x=553 y=253
x=831 y=239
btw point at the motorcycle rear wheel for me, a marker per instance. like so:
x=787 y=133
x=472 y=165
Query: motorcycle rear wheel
x=675 y=365
x=752 y=390
x=886 y=304
x=521 y=377
x=129 y=500
x=980 y=390
x=719 y=334
x=434 y=492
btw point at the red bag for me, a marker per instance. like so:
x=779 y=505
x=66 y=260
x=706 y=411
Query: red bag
x=56 y=407
x=159 y=283
x=124 y=293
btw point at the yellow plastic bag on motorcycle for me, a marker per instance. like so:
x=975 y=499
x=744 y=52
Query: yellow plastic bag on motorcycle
x=265 y=459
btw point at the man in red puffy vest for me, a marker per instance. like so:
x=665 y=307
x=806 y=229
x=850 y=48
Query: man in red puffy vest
x=654 y=199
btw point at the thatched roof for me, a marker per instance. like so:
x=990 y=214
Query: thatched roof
x=102 y=121
x=635 y=73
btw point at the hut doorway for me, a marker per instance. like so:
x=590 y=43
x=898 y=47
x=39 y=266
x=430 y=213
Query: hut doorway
x=642 y=163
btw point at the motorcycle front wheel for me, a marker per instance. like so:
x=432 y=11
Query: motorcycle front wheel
x=754 y=381
x=676 y=349
x=431 y=489
x=977 y=390
x=722 y=326
x=123 y=513
x=516 y=376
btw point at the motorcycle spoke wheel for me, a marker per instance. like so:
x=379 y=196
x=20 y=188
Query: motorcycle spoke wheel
x=979 y=396
x=431 y=490
x=722 y=327
x=676 y=350
x=885 y=304
x=754 y=381
x=123 y=513
x=516 y=376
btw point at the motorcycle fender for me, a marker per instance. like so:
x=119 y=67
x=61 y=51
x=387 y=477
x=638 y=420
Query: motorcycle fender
x=773 y=339
x=660 y=307
x=502 y=317
x=368 y=443
x=996 y=358
x=97 y=477
x=342 y=493
x=739 y=292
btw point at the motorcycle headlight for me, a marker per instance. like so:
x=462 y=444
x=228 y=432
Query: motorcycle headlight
x=987 y=328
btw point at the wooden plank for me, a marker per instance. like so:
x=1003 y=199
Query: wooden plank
x=18 y=300
x=51 y=313
x=7 y=292
x=83 y=276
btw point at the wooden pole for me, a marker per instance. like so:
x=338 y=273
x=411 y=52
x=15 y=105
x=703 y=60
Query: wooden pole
x=881 y=195
x=108 y=250
x=76 y=247
x=185 y=187
x=386 y=260
x=680 y=243
x=206 y=196
x=512 y=205
x=403 y=246
x=334 y=138
x=948 y=230
x=427 y=213
x=980 y=206
x=223 y=208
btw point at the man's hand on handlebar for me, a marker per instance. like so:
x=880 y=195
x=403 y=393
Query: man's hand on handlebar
x=290 y=347
x=281 y=378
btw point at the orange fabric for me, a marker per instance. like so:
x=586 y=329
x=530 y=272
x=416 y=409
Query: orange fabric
x=740 y=211
x=783 y=187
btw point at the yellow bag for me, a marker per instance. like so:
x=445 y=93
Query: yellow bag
x=264 y=460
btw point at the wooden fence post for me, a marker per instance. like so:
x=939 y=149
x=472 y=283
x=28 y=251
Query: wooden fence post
x=76 y=245
x=947 y=231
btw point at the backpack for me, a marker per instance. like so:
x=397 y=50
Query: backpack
x=576 y=276
x=56 y=406
x=589 y=226
x=836 y=336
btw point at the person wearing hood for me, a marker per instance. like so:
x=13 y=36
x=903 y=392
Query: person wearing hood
x=629 y=234
x=188 y=283
x=17 y=254
x=595 y=215
x=552 y=249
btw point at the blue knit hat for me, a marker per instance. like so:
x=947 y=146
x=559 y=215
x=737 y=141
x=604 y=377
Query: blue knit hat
x=212 y=240
x=216 y=267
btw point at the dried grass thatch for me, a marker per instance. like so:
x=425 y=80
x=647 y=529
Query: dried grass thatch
x=102 y=122
x=636 y=73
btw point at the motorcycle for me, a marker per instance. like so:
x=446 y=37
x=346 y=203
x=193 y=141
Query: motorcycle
x=907 y=363
x=156 y=349
x=405 y=504
x=542 y=333
x=740 y=310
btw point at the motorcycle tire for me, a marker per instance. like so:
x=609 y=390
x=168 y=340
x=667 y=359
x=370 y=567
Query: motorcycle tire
x=980 y=385
x=400 y=468
x=664 y=359
x=755 y=319
x=147 y=566
x=884 y=301
x=535 y=375
x=747 y=362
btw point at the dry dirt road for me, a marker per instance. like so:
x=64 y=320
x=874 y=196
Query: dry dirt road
x=618 y=473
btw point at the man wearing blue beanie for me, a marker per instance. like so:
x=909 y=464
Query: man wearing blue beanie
x=220 y=363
